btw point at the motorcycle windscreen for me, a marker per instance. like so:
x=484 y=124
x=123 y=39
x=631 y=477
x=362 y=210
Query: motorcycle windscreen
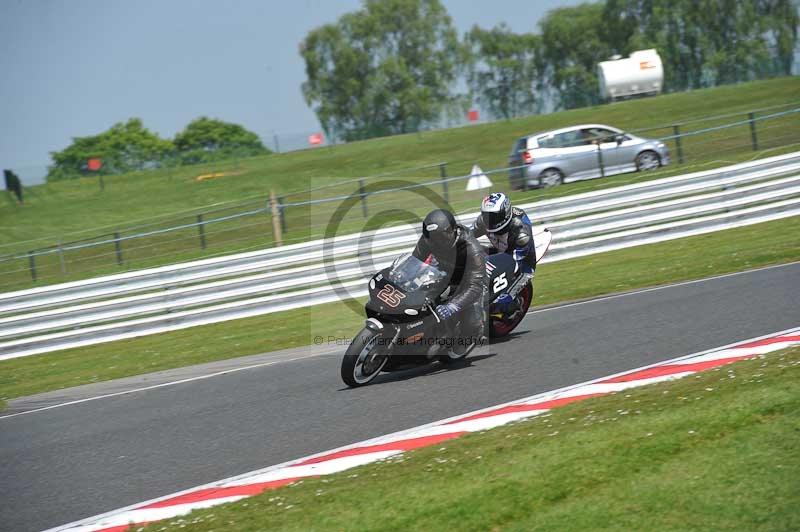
x=409 y=274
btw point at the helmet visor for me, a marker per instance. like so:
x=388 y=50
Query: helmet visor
x=440 y=239
x=493 y=220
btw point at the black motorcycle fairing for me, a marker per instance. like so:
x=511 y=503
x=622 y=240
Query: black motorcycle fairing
x=396 y=305
x=405 y=316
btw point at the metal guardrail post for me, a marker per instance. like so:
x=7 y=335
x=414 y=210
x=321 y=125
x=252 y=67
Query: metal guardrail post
x=363 y=197
x=32 y=265
x=276 y=218
x=282 y=213
x=753 y=134
x=600 y=161
x=201 y=231
x=118 y=248
x=443 y=177
x=676 y=130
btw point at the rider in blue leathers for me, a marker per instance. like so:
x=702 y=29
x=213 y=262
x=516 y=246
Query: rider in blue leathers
x=509 y=230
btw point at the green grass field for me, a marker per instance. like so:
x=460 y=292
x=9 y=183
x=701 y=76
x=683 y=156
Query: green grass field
x=70 y=210
x=716 y=451
x=722 y=252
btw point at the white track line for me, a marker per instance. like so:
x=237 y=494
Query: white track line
x=161 y=385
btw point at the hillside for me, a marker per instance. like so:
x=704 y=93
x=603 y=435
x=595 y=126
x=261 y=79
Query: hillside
x=74 y=210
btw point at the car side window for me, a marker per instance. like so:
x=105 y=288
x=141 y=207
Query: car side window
x=570 y=139
x=596 y=135
x=547 y=141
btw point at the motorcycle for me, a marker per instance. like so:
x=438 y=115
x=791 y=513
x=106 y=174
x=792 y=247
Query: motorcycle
x=402 y=329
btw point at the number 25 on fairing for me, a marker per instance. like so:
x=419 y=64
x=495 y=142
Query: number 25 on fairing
x=500 y=282
x=391 y=295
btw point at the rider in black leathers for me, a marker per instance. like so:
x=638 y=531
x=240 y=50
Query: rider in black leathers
x=451 y=248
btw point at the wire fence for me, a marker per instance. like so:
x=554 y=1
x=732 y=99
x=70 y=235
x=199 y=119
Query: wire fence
x=375 y=201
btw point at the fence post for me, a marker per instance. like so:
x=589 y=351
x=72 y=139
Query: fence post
x=753 y=135
x=277 y=146
x=32 y=265
x=363 y=197
x=201 y=230
x=443 y=177
x=600 y=160
x=676 y=130
x=118 y=248
x=276 y=218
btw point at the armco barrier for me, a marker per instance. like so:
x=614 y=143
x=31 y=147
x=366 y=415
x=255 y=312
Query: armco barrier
x=212 y=290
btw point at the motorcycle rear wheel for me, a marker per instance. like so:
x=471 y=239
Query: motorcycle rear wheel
x=364 y=359
x=499 y=327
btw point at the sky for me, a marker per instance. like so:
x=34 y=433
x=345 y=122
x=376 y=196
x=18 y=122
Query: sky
x=73 y=68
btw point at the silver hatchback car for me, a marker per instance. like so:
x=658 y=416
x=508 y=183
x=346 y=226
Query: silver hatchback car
x=581 y=152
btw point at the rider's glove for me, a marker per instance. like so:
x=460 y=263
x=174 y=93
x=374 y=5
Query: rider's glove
x=446 y=311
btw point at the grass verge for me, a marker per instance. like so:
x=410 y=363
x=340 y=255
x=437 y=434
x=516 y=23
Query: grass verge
x=716 y=451
x=690 y=258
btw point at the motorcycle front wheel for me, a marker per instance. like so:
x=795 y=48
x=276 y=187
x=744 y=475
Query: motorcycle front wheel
x=503 y=326
x=364 y=358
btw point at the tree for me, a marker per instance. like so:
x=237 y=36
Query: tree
x=505 y=71
x=707 y=42
x=385 y=69
x=204 y=139
x=572 y=44
x=123 y=148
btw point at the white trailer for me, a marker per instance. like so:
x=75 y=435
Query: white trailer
x=641 y=74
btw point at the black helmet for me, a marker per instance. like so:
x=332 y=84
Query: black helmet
x=496 y=211
x=439 y=229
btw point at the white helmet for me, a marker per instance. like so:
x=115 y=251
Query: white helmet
x=496 y=211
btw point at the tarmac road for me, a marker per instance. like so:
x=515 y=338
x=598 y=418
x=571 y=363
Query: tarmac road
x=74 y=461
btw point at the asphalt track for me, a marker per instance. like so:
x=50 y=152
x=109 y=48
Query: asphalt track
x=65 y=463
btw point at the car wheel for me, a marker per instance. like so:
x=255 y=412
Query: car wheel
x=647 y=160
x=550 y=178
